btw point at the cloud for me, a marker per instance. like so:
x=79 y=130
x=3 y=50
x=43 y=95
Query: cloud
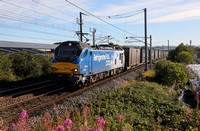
x=180 y=16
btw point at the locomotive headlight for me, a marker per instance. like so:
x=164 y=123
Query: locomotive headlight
x=74 y=70
x=54 y=69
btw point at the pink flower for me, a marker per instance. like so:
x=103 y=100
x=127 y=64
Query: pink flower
x=86 y=107
x=119 y=117
x=187 y=110
x=197 y=92
x=13 y=125
x=197 y=122
x=101 y=121
x=23 y=114
x=186 y=116
x=190 y=119
x=68 y=122
x=182 y=120
x=98 y=120
x=59 y=128
x=89 y=129
x=191 y=110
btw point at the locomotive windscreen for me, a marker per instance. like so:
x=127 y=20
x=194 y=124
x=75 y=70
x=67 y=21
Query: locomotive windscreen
x=66 y=53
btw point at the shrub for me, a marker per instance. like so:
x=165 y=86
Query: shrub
x=23 y=63
x=167 y=72
x=6 y=73
x=184 y=57
x=26 y=64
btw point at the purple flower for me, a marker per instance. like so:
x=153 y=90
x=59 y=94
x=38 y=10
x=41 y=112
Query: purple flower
x=68 y=122
x=23 y=114
x=119 y=117
x=197 y=122
x=59 y=128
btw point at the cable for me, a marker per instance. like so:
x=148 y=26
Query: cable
x=31 y=18
x=101 y=19
x=27 y=37
x=31 y=30
x=119 y=16
x=50 y=26
x=32 y=10
x=53 y=8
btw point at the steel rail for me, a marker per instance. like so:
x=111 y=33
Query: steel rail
x=30 y=99
x=76 y=92
x=17 y=88
x=71 y=94
x=10 y=96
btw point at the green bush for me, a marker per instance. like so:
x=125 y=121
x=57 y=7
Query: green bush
x=184 y=57
x=6 y=73
x=26 y=64
x=167 y=72
x=144 y=106
x=21 y=65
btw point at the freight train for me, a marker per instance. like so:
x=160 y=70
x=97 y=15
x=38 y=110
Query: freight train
x=81 y=64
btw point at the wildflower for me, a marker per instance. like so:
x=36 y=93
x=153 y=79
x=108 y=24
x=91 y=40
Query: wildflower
x=197 y=122
x=187 y=110
x=86 y=107
x=23 y=114
x=98 y=120
x=59 y=128
x=186 y=116
x=190 y=119
x=89 y=128
x=182 y=120
x=13 y=125
x=68 y=122
x=119 y=117
x=197 y=92
x=101 y=121
x=191 y=110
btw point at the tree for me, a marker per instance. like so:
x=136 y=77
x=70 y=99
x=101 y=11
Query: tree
x=184 y=57
x=174 y=53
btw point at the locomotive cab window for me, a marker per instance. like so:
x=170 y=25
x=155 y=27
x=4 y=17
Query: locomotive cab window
x=85 y=54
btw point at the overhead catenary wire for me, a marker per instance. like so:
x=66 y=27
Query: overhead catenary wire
x=53 y=8
x=126 y=16
x=50 y=26
x=37 y=21
x=103 y=20
x=27 y=37
x=32 y=30
x=33 y=10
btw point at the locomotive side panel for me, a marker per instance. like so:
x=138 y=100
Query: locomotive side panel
x=105 y=60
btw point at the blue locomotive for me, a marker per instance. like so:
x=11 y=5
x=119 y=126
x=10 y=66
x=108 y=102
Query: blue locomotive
x=81 y=64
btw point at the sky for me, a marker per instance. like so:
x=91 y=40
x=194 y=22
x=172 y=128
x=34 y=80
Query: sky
x=116 y=21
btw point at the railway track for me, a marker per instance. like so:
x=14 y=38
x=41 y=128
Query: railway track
x=17 y=91
x=12 y=112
